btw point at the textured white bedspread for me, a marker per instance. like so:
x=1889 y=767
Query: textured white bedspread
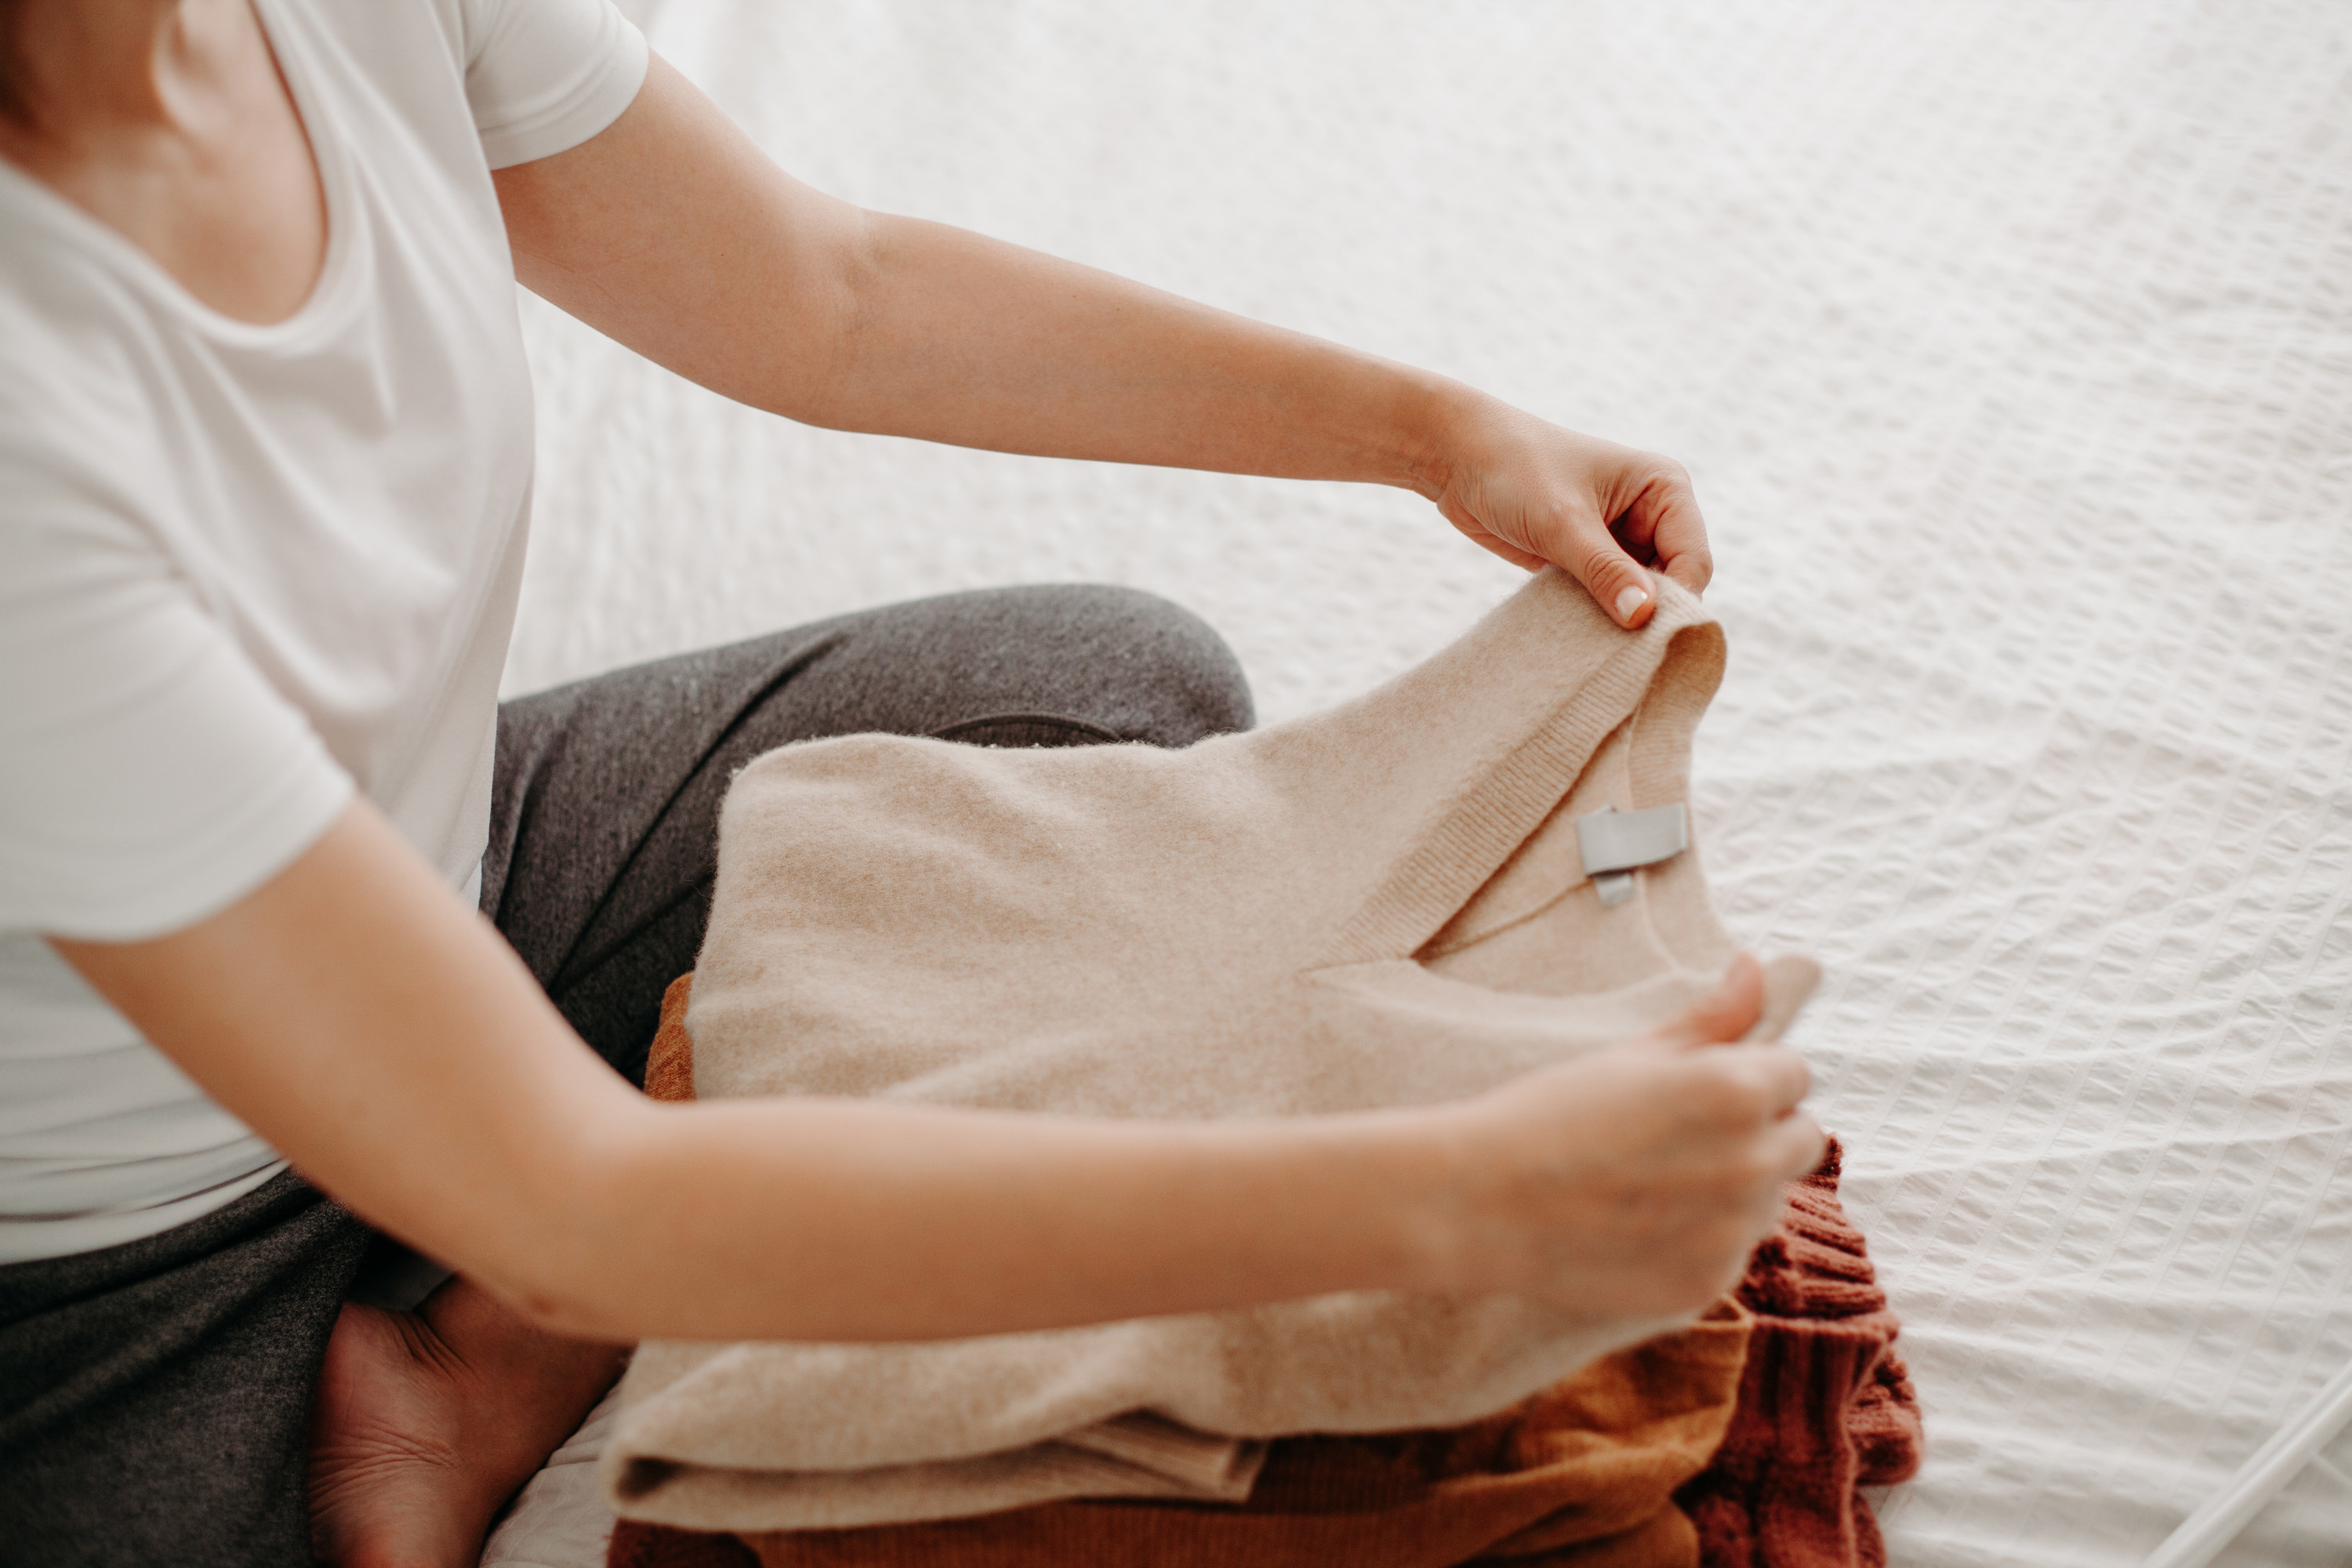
x=2011 y=345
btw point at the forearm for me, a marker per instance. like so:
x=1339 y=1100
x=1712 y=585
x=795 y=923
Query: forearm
x=397 y=1051
x=377 y=1031
x=672 y=232
x=843 y=1220
x=957 y=338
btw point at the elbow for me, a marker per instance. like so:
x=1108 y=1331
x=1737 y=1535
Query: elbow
x=845 y=307
x=567 y=1290
x=566 y=1314
x=571 y=1264
x=862 y=261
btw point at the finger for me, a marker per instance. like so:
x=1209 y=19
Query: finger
x=1725 y=1013
x=1694 y=569
x=1778 y=1077
x=1635 y=541
x=1614 y=579
x=1798 y=1145
x=1665 y=515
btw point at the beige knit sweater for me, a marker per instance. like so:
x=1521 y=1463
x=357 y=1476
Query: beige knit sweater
x=1384 y=904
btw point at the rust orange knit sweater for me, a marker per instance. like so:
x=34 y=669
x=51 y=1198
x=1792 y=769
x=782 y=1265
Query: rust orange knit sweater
x=1825 y=1405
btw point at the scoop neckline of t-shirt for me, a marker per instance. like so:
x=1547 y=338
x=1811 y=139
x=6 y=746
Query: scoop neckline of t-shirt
x=331 y=295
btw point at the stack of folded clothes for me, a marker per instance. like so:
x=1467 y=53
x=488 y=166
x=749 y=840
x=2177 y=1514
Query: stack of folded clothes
x=1739 y=1442
x=1480 y=867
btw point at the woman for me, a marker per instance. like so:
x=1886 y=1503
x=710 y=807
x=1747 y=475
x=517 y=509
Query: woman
x=264 y=463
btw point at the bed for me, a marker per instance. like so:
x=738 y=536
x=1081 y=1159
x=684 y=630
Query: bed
x=2010 y=347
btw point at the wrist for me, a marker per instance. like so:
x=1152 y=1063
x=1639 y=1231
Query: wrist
x=1439 y=413
x=1424 y=1163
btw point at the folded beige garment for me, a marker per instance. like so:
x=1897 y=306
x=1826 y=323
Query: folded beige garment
x=1385 y=904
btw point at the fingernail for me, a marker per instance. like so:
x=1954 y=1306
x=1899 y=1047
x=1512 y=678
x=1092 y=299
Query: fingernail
x=1628 y=602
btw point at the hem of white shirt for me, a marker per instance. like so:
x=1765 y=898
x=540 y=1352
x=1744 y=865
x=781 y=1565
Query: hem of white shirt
x=33 y=1241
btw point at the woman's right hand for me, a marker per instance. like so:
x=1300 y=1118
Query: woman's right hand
x=1636 y=1180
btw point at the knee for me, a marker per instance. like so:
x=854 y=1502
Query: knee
x=1165 y=676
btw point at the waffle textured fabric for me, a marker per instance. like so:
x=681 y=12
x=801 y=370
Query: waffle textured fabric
x=1382 y=905
x=2006 y=344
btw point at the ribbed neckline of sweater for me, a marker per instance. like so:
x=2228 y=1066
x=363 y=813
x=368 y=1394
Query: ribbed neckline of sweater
x=1441 y=875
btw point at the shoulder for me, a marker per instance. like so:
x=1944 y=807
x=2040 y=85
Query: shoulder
x=74 y=339
x=533 y=76
x=402 y=35
x=76 y=429
x=545 y=75
x=83 y=468
x=465 y=33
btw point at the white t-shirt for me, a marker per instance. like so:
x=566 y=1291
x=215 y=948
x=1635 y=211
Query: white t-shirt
x=245 y=570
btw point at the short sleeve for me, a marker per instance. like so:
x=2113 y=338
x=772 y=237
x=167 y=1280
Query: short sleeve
x=546 y=75
x=150 y=775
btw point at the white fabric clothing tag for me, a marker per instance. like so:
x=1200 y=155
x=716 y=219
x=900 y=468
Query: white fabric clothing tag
x=1616 y=843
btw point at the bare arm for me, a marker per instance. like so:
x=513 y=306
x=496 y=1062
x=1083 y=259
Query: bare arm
x=381 y=1034
x=676 y=234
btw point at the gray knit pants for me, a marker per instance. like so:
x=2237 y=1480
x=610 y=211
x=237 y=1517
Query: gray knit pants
x=155 y=1397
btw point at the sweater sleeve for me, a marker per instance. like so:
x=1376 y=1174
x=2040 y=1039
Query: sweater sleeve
x=546 y=75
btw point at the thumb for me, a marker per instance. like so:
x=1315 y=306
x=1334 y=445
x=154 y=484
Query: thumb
x=1614 y=579
x=1725 y=1013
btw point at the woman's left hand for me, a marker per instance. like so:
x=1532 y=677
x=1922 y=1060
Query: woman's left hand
x=1532 y=492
